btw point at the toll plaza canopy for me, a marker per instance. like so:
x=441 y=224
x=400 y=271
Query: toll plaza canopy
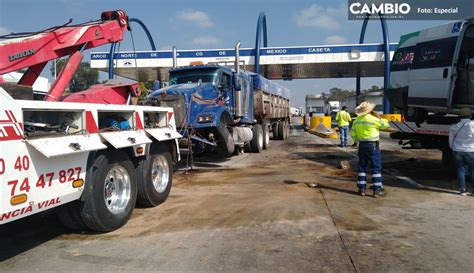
x=287 y=63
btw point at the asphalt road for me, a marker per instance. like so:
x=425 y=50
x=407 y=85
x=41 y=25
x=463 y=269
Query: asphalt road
x=257 y=212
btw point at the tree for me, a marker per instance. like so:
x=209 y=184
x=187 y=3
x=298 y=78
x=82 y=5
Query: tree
x=337 y=94
x=84 y=77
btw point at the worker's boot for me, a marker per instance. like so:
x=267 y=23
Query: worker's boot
x=379 y=193
x=361 y=192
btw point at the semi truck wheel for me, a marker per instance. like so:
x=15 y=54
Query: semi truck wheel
x=281 y=130
x=289 y=129
x=225 y=142
x=154 y=177
x=110 y=198
x=70 y=215
x=275 y=130
x=266 y=135
x=256 y=144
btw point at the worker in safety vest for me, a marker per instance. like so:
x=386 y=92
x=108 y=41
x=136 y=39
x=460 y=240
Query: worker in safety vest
x=343 y=119
x=365 y=130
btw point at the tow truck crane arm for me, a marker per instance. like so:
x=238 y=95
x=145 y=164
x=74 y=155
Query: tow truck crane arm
x=34 y=50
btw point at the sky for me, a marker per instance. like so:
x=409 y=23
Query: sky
x=207 y=24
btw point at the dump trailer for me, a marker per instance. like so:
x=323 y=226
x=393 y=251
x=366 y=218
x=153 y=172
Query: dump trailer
x=91 y=155
x=220 y=109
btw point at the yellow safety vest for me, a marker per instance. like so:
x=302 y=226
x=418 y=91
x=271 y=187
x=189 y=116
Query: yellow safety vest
x=343 y=118
x=367 y=127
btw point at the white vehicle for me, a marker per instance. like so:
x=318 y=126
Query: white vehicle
x=316 y=105
x=334 y=106
x=432 y=71
x=295 y=112
x=55 y=154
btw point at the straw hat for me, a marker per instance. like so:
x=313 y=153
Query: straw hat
x=364 y=108
x=465 y=112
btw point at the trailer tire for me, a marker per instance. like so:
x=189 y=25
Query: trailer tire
x=70 y=215
x=281 y=130
x=256 y=143
x=266 y=135
x=288 y=129
x=275 y=130
x=110 y=198
x=154 y=177
x=225 y=142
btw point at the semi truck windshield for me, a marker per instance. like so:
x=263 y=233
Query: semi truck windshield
x=193 y=76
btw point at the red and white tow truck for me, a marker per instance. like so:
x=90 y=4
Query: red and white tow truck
x=91 y=154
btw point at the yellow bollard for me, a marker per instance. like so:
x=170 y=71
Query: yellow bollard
x=392 y=117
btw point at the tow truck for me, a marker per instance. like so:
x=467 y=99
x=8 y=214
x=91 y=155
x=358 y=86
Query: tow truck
x=92 y=154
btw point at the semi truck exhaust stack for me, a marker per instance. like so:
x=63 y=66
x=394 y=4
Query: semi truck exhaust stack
x=238 y=97
x=175 y=58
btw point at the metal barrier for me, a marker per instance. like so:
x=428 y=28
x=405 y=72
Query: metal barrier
x=386 y=77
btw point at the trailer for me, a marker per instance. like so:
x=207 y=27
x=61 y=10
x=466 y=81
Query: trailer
x=222 y=110
x=91 y=155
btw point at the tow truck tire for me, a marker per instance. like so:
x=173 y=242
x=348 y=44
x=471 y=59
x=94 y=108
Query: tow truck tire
x=154 y=177
x=257 y=141
x=275 y=130
x=110 y=198
x=225 y=142
x=70 y=215
x=266 y=135
x=281 y=130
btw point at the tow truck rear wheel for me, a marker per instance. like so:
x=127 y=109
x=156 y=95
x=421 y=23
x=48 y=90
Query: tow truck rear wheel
x=110 y=198
x=70 y=215
x=154 y=177
x=256 y=143
x=266 y=135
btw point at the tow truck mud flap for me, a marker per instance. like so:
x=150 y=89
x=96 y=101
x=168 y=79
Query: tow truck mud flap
x=122 y=139
x=66 y=145
x=163 y=134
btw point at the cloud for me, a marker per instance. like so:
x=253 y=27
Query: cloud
x=196 y=17
x=165 y=47
x=335 y=39
x=205 y=41
x=327 y=18
x=4 y=30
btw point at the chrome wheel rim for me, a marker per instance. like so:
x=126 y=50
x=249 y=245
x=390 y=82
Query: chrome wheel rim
x=117 y=189
x=160 y=173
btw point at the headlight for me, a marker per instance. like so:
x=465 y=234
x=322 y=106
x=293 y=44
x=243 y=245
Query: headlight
x=205 y=118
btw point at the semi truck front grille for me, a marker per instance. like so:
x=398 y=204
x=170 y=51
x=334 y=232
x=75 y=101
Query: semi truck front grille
x=177 y=103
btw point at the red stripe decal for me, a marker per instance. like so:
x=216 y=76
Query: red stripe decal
x=91 y=125
x=170 y=115
x=11 y=134
x=138 y=121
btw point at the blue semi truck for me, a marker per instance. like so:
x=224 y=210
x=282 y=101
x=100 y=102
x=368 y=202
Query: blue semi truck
x=223 y=110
